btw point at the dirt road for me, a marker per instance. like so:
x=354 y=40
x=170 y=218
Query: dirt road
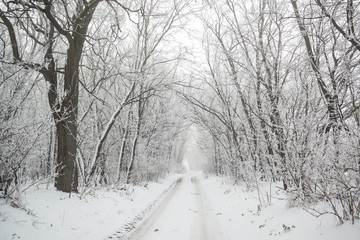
x=183 y=214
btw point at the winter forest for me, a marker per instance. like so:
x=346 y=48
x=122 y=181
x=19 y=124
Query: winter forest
x=112 y=93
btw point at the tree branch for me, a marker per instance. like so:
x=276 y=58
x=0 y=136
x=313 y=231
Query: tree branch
x=12 y=35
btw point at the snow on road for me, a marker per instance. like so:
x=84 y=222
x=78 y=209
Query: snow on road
x=182 y=215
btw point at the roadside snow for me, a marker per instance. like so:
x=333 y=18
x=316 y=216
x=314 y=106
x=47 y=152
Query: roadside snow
x=240 y=216
x=53 y=215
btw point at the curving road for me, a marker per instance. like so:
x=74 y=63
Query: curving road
x=183 y=214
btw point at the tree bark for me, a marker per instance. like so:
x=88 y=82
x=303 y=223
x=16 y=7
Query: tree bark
x=67 y=178
x=122 y=148
x=130 y=171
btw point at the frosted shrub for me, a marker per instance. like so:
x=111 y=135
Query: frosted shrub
x=331 y=176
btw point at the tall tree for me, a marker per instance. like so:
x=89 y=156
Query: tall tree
x=43 y=23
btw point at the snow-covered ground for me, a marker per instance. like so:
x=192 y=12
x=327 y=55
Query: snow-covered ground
x=240 y=216
x=100 y=213
x=194 y=208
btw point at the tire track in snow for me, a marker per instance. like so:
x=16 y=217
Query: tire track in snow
x=129 y=227
x=206 y=219
x=215 y=228
x=182 y=215
x=199 y=228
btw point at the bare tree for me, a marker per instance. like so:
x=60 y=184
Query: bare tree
x=51 y=31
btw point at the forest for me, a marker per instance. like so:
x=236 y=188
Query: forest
x=103 y=92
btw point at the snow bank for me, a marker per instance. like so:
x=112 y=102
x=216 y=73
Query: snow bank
x=241 y=216
x=53 y=215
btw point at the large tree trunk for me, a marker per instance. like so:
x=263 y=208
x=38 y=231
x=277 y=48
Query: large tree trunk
x=67 y=178
x=66 y=120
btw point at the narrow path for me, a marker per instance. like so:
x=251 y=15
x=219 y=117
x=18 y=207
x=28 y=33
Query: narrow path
x=182 y=215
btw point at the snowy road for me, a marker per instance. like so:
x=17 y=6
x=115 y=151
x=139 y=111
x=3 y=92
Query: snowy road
x=183 y=214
